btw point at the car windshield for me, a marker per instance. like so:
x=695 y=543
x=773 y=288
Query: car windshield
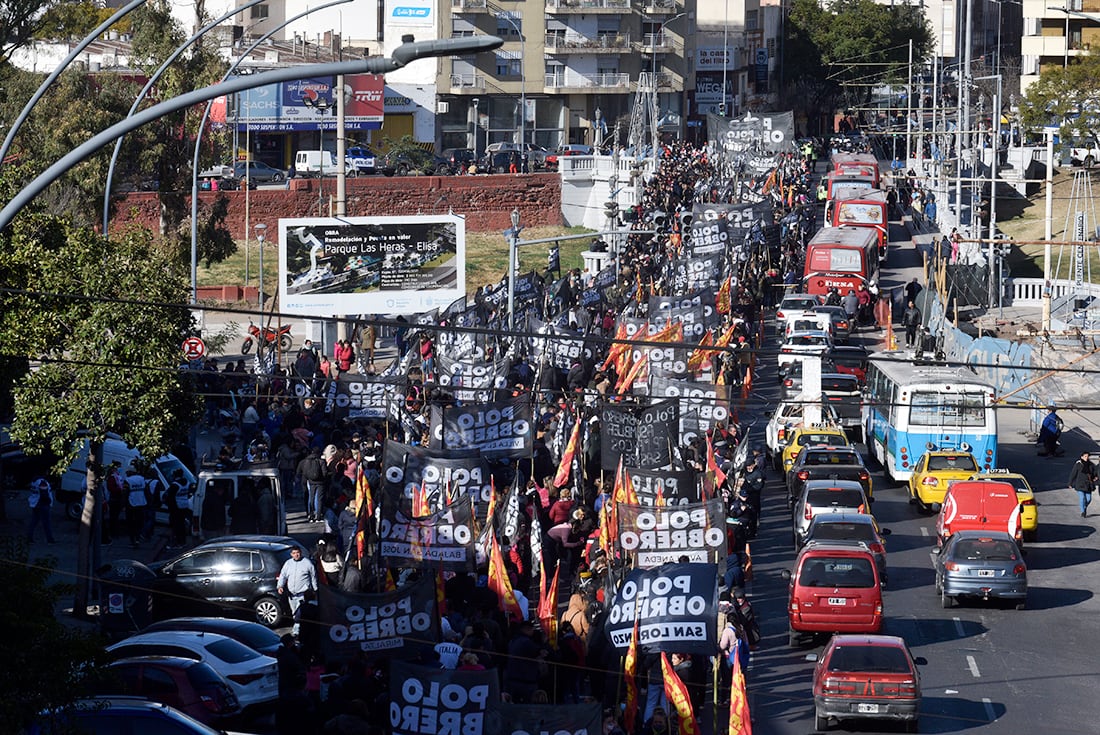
x=849 y=572
x=832 y=440
x=870 y=659
x=168 y=467
x=834 y=497
x=829 y=458
x=808 y=340
x=985 y=549
x=842 y=532
x=231 y=651
x=960 y=462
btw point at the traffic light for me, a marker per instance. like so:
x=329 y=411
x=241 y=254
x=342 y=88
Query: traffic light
x=611 y=210
x=686 y=218
x=721 y=109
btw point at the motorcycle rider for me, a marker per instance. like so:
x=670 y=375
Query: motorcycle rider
x=1049 y=434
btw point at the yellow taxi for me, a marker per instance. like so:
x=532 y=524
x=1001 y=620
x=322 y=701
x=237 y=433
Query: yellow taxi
x=805 y=436
x=937 y=469
x=1029 y=509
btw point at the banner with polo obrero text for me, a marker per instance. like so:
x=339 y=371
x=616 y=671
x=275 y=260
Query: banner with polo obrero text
x=495 y=428
x=675 y=606
x=656 y=535
x=424 y=700
x=674 y=487
x=442 y=540
x=401 y=622
x=440 y=477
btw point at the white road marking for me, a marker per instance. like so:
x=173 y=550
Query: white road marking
x=950 y=691
x=924 y=531
x=959 y=627
x=970 y=662
x=988 y=704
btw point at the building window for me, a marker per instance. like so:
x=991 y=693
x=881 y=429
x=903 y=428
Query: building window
x=751 y=20
x=508 y=64
x=258 y=12
x=461 y=27
x=506 y=29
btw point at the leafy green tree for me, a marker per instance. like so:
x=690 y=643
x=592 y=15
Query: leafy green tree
x=19 y=21
x=1066 y=97
x=836 y=53
x=75 y=20
x=104 y=321
x=47 y=663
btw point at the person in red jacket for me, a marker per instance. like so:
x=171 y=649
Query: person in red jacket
x=560 y=510
x=343 y=354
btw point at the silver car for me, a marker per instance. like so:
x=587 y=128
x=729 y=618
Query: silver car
x=825 y=496
x=983 y=564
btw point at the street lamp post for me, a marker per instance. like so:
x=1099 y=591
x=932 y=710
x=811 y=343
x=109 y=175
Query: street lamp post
x=261 y=233
x=477 y=126
x=656 y=87
x=513 y=240
x=522 y=89
x=407 y=52
x=322 y=106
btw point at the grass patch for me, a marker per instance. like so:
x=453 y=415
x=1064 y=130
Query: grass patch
x=486 y=259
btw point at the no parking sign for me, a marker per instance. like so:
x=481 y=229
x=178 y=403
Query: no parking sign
x=194 y=348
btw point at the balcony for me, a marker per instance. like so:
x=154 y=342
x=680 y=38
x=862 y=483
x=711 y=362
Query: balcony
x=602 y=44
x=1043 y=46
x=557 y=7
x=657 y=7
x=564 y=82
x=660 y=43
x=469 y=6
x=467 y=83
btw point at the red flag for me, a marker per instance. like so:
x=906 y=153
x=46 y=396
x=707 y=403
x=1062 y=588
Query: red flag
x=390 y=585
x=629 y=671
x=420 y=507
x=679 y=697
x=628 y=378
x=712 y=465
x=499 y=582
x=740 y=723
x=722 y=300
x=566 y=464
x=364 y=505
x=699 y=355
x=548 y=606
x=616 y=347
x=659 y=500
x=440 y=593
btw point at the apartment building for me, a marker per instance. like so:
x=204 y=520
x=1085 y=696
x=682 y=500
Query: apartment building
x=1054 y=32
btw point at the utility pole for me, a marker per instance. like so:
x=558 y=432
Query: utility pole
x=909 y=108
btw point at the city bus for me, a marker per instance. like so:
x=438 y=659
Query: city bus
x=859 y=164
x=908 y=406
x=868 y=209
x=841 y=257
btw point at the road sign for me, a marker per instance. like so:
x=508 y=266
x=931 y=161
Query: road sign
x=194 y=348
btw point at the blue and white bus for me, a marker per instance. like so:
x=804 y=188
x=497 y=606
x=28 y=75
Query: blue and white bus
x=907 y=406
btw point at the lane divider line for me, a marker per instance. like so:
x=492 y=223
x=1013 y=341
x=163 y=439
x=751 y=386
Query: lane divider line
x=959 y=627
x=973 y=665
x=988 y=704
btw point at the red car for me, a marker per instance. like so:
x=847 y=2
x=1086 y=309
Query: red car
x=190 y=686
x=867 y=677
x=834 y=588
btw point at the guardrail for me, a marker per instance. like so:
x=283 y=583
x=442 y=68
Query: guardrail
x=558 y=81
x=469 y=81
x=1029 y=291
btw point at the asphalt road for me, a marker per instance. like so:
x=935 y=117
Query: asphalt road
x=991 y=669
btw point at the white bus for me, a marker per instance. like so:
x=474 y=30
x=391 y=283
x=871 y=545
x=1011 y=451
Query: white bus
x=909 y=406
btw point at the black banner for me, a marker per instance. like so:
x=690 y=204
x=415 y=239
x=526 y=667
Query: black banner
x=604 y=279
x=707 y=237
x=677 y=487
x=618 y=434
x=657 y=432
x=460 y=345
x=591 y=298
x=471 y=380
x=496 y=428
x=403 y=622
x=546 y=719
x=676 y=607
x=662 y=535
x=553 y=260
x=406 y=468
x=366 y=397
x=442 y=540
x=738 y=217
x=702 y=405
x=528 y=288
x=689 y=274
x=424 y=700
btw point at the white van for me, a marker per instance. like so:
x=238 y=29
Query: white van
x=232 y=482
x=115 y=449
x=309 y=163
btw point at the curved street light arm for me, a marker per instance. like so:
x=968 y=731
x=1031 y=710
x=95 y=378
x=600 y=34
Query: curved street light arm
x=198 y=142
x=87 y=41
x=402 y=55
x=153 y=79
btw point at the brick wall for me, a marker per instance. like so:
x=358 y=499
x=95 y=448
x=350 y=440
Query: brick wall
x=486 y=201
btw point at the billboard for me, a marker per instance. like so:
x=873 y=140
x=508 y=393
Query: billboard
x=363 y=265
x=282 y=107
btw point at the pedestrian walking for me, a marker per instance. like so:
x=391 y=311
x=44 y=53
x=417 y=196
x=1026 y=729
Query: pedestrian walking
x=1082 y=478
x=297 y=577
x=135 y=506
x=40 y=502
x=911 y=320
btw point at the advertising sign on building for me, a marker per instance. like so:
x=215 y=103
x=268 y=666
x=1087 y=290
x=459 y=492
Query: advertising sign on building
x=297 y=104
x=363 y=265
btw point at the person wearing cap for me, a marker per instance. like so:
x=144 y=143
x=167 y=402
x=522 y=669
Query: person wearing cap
x=1049 y=433
x=40 y=502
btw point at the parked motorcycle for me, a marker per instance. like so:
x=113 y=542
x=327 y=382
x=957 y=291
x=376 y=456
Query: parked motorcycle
x=268 y=337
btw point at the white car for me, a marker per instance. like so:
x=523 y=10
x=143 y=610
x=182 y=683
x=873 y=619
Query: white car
x=801 y=344
x=788 y=415
x=795 y=304
x=802 y=322
x=253 y=676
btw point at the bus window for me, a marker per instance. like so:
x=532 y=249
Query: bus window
x=835 y=260
x=860 y=213
x=936 y=409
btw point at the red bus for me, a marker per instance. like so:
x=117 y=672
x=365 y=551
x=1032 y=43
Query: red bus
x=860 y=164
x=869 y=209
x=841 y=257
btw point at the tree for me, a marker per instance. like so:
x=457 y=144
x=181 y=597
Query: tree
x=47 y=664
x=19 y=21
x=104 y=321
x=835 y=54
x=1067 y=97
